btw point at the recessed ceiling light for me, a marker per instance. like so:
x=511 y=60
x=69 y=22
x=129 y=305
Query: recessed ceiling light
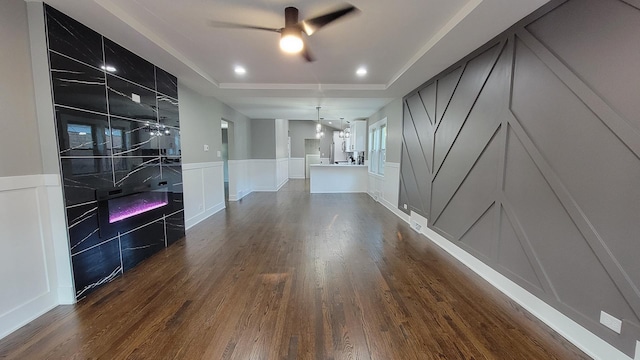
x=240 y=70
x=362 y=71
x=108 y=68
x=330 y=123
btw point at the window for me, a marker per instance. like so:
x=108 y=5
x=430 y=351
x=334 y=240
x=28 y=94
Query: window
x=377 y=146
x=80 y=136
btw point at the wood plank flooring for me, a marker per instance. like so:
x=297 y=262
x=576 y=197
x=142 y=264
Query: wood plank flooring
x=290 y=275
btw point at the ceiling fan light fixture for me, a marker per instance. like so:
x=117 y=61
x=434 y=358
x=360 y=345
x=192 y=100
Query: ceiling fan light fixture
x=291 y=41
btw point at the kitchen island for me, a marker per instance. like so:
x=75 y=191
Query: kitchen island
x=333 y=178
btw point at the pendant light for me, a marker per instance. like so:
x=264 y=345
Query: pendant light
x=319 y=132
x=341 y=133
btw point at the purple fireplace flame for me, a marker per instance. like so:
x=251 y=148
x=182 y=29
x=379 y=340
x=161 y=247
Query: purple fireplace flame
x=132 y=205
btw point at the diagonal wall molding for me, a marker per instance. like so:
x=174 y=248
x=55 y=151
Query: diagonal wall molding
x=563 y=151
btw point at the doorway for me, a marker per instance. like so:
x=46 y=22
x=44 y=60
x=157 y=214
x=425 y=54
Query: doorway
x=311 y=154
x=225 y=158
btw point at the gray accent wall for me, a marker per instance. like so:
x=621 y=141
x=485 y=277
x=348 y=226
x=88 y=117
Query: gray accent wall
x=19 y=126
x=527 y=155
x=263 y=139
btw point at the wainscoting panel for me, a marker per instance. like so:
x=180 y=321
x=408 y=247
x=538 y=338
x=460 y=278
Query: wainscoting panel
x=264 y=173
x=385 y=188
x=526 y=154
x=282 y=172
x=35 y=275
x=203 y=190
x=240 y=182
x=296 y=168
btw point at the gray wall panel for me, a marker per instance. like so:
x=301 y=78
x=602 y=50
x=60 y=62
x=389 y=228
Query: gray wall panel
x=605 y=54
x=472 y=197
x=446 y=86
x=419 y=168
x=536 y=163
x=473 y=79
x=424 y=129
x=513 y=259
x=568 y=146
x=409 y=190
x=479 y=238
x=479 y=128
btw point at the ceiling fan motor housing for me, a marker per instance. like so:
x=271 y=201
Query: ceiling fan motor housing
x=290 y=17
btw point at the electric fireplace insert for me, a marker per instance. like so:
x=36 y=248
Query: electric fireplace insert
x=123 y=209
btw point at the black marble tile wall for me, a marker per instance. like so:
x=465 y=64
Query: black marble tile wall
x=71 y=78
x=141 y=243
x=129 y=65
x=96 y=266
x=118 y=127
x=69 y=37
x=130 y=100
x=167 y=83
x=175 y=227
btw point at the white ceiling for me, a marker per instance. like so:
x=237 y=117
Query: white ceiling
x=402 y=43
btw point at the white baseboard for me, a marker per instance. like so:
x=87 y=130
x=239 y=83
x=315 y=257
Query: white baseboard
x=282 y=184
x=241 y=194
x=582 y=338
x=297 y=177
x=395 y=210
x=66 y=295
x=26 y=313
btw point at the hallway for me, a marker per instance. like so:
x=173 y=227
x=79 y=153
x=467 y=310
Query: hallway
x=290 y=275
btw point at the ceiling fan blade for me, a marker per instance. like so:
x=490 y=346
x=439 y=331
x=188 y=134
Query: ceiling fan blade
x=227 y=25
x=310 y=26
x=306 y=53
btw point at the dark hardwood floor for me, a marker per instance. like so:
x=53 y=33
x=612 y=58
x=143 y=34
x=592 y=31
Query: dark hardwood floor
x=290 y=275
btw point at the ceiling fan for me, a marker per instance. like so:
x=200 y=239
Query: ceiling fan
x=291 y=40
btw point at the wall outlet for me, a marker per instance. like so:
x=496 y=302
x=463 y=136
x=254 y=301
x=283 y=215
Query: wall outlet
x=611 y=322
x=219 y=153
x=135 y=98
x=206 y=147
x=405 y=206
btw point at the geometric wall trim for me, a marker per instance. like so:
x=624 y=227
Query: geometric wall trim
x=526 y=154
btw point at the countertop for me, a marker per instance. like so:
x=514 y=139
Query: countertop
x=337 y=165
